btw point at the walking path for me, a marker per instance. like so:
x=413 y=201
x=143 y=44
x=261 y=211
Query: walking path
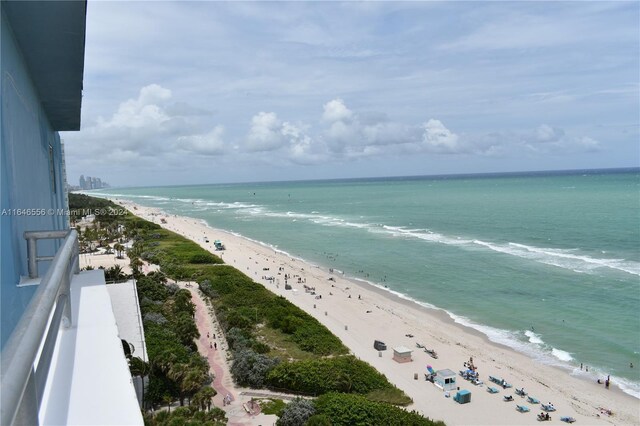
x=211 y=345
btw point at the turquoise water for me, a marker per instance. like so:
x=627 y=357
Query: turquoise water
x=548 y=263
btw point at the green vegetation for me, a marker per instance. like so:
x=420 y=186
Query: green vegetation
x=297 y=412
x=187 y=416
x=342 y=374
x=241 y=303
x=105 y=211
x=274 y=344
x=272 y=406
x=177 y=370
x=355 y=410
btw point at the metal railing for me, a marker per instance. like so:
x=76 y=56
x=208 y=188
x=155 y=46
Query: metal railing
x=32 y=238
x=23 y=380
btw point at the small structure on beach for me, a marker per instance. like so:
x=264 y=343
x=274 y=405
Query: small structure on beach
x=402 y=354
x=462 y=397
x=445 y=379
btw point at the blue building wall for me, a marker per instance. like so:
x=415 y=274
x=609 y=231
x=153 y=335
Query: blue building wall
x=30 y=178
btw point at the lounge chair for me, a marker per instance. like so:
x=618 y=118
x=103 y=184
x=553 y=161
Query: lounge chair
x=567 y=419
x=533 y=400
x=521 y=392
x=507 y=398
x=522 y=408
x=477 y=382
x=491 y=389
x=495 y=379
x=548 y=407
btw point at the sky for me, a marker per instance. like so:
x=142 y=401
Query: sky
x=216 y=92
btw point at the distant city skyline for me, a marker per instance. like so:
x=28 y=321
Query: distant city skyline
x=242 y=92
x=90 y=182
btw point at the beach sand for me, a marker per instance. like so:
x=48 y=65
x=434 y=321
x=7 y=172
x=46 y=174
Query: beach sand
x=373 y=313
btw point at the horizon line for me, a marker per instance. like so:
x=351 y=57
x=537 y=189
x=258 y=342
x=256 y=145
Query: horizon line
x=405 y=177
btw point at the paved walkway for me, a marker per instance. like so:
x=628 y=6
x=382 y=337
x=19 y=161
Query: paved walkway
x=239 y=411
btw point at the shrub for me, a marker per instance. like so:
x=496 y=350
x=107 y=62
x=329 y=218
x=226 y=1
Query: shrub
x=155 y=317
x=200 y=258
x=355 y=410
x=272 y=406
x=296 y=413
x=250 y=368
x=318 y=420
x=315 y=377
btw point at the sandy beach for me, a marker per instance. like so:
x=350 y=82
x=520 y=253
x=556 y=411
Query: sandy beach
x=359 y=314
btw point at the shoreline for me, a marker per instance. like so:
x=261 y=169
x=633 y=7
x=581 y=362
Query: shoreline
x=432 y=310
x=454 y=341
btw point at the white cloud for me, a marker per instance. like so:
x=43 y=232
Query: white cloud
x=336 y=110
x=142 y=112
x=547 y=140
x=206 y=144
x=302 y=148
x=437 y=138
x=265 y=133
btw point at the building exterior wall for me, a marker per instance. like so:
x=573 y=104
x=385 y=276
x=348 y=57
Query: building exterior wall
x=31 y=178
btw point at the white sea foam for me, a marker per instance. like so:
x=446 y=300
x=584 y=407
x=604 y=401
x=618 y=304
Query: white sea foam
x=561 y=355
x=533 y=337
x=570 y=259
x=627 y=386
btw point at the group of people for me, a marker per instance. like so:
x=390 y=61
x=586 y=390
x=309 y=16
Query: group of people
x=469 y=364
x=544 y=416
x=607 y=382
x=213 y=345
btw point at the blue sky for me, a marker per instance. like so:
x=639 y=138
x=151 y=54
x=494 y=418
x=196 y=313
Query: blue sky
x=208 y=92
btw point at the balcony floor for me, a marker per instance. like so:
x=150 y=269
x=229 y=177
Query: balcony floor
x=89 y=381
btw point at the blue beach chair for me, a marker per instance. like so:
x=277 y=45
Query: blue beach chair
x=491 y=389
x=522 y=408
x=533 y=400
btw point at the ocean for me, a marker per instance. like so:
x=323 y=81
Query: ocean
x=546 y=263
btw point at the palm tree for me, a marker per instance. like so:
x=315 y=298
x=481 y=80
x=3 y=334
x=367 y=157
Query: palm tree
x=177 y=373
x=139 y=368
x=208 y=393
x=114 y=273
x=136 y=265
x=191 y=382
x=119 y=248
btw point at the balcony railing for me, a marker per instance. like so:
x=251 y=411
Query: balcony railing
x=24 y=379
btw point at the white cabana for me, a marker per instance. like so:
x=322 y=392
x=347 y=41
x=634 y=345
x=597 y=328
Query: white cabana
x=402 y=354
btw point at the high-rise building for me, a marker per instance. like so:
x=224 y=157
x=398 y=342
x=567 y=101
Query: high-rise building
x=62 y=361
x=83 y=183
